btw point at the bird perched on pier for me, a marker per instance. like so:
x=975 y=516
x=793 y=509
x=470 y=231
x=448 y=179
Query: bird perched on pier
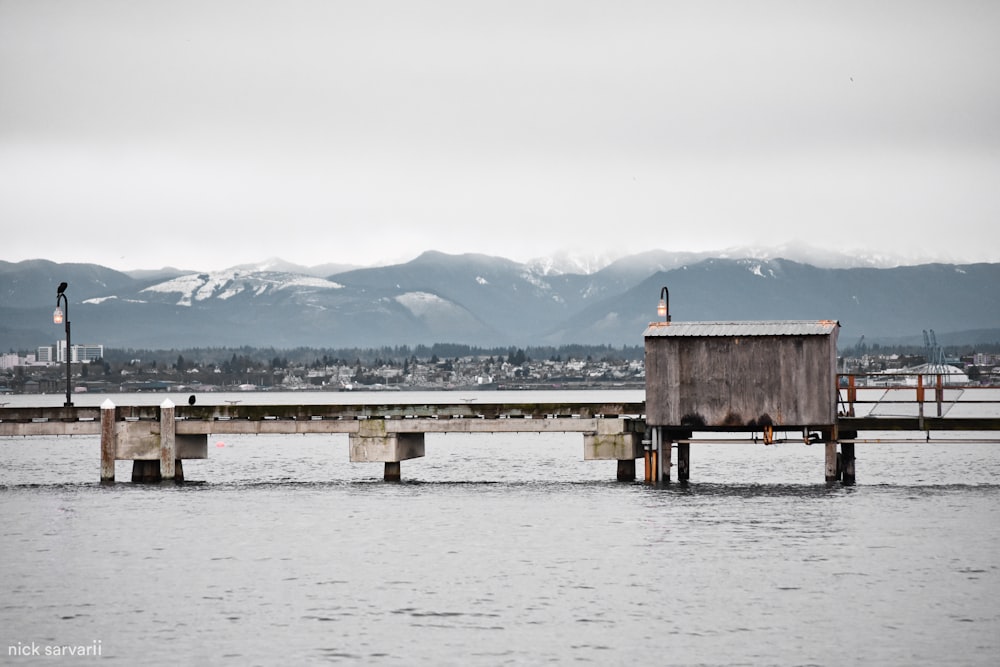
x=62 y=288
x=191 y=399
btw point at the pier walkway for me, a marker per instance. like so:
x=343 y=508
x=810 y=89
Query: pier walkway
x=159 y=438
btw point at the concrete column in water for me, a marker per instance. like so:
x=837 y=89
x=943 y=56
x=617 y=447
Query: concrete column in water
x=683 y=461
x=626 y=470
x=375 y=442
x=845 y=460
x=832 y=469
x=109 y=442
x=156 y=449
x=167 y=439
x=664 y=456
x=829 y=438
x=614 y=441
x=145 y=471
x=847 y=463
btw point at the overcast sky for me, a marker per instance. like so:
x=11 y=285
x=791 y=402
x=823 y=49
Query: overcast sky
x=203 y=134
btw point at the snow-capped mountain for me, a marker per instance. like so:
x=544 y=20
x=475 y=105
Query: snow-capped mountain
x=823 y=258
x=483 y=300
x=235 y=282
x=568 y=262
x=278 y=265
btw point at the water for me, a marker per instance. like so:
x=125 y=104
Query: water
x=502 y=549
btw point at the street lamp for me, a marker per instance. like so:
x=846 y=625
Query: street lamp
x=59 y=318
x=663 y=308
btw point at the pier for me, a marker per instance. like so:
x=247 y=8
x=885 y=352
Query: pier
x=158 y=439
x=743 y=382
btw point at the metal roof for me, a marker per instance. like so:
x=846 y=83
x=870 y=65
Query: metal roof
x=748 y=328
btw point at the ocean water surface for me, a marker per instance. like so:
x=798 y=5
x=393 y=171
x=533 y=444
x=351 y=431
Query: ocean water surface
x=501 y=549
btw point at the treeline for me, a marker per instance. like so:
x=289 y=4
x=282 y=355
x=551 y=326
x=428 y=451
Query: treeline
x=241 y=357
x=306 y=356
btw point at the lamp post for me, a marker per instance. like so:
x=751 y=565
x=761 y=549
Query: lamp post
x=663 y=308
x=58 y=318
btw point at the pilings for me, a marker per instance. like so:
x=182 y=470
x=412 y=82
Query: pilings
x=388 y=441
x=374 y=442
x=839 y=464
x=614 y=440
x=168 y=435
x=147 y=472
x=661 y=441
x=658 y=455
x=683 y=462
x=832 y=466
x=847 y=461
x=626 y=470
x=158 y=447
x=393 y=471
x=109 y=442
x=155 y=448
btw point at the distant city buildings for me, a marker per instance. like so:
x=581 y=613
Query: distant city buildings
x=11 y=360
x=41 y=372
x=79 y=354
x=8 y=361
x=54 y=354
x=984 y=359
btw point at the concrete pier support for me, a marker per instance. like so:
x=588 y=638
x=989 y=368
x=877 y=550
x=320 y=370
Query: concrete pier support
x=847 y=456
x=612 y=441
x=832 y=469
x=168 y=435
x=149 y=472
x=146 y=472
x=375 y=443
x=626 y=470
x=847 y=463
x=840 y=464
x=683 y=461
x=109 y=442
x=154 y=447
x=664 y=457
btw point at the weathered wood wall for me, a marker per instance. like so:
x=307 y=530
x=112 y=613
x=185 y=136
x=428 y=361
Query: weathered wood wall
x=740 y=381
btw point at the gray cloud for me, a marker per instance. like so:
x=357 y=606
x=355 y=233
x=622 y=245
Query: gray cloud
x=208 y=134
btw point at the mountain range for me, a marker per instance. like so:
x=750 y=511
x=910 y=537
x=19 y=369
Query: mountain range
x=487 y=301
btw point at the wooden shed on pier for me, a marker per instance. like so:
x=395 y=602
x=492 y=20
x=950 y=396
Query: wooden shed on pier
x=741 y=374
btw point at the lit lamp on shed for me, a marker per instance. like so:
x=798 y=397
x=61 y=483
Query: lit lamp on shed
x=58 y=317
x=663 y=308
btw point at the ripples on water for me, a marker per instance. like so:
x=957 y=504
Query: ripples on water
x=504 y=550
